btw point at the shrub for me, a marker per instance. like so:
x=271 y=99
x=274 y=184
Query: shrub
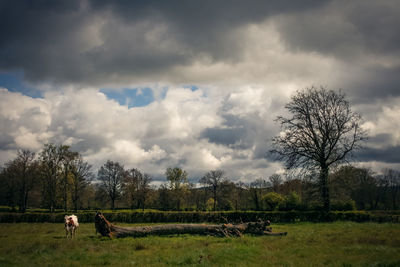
x=343 y=205
x=210 y=204
x=273 y=200
x=292 y=202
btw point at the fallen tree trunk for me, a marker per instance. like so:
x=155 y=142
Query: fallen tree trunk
x=105 y=228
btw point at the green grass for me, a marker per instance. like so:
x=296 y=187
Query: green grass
x=307 y=244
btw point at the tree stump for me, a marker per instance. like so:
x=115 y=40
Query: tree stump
x=105 y=228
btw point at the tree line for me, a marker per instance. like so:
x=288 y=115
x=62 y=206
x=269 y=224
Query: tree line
x=317 y=138
x=58 y=178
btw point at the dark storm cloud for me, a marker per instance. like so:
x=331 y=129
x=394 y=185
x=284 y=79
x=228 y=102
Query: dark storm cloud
x=92 y=143
x=39 y=37
x=387 y=155
x=345 y=28
x=224 y=136
x=380 y=138
x=51 y=40
x=364 y=35
x=237 y=132
x=203 y=25
x=378 y=82
x=243 y=132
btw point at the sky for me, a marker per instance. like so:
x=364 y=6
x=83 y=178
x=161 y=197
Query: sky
x=192 y=84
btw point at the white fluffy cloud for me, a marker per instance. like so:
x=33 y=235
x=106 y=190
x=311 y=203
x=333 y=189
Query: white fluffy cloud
x=150 y=137
x=167 y=132
x=24 y=121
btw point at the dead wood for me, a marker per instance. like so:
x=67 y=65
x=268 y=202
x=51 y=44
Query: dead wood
x=105 y=228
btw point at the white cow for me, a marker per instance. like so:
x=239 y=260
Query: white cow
x=71 y=224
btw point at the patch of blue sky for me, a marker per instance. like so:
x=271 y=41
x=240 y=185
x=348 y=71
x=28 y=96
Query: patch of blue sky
x=131 y=97
x=194 y=88
x=13 y=82
x=191 y=87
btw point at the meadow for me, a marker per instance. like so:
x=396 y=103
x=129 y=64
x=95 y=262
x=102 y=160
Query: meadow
x=307 y=244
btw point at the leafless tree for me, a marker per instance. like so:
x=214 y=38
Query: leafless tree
x=143 y=190
x=7 y=188
x=22 y=173
x=392 y=178
x=67 y=159
x=256 y=190
x=51 y=171
x=111 y=176
x=136 y=187
x=358 y=184
x=276 y=181
x=214 y=180
x=81 y=177
x=322 y=131
x=240 y=196
x=131 y=184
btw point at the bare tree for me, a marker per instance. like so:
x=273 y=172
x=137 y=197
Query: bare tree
x=81 y=176
x=241 y=196
x=214 y=180
x=322 y=131
x=22 y=171
x=204 y=192
x=143 y=190
x=392 y=178
x=131 y=184
x=136 y=187
x=51 y=170
x=67 y=157
x=256 y=189
x=111 y=175
x=382 y=187
x=276 y=181
x=358 y=184
x=164 y=200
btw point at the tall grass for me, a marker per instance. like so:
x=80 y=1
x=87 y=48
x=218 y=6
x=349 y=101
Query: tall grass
x=307 y=244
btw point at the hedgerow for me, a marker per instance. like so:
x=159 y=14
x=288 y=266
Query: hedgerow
x=209 y=217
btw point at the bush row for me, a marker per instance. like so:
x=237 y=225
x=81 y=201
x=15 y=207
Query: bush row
x=208 y=217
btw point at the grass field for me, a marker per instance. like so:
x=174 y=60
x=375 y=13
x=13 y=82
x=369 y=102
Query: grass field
x=307 y=244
